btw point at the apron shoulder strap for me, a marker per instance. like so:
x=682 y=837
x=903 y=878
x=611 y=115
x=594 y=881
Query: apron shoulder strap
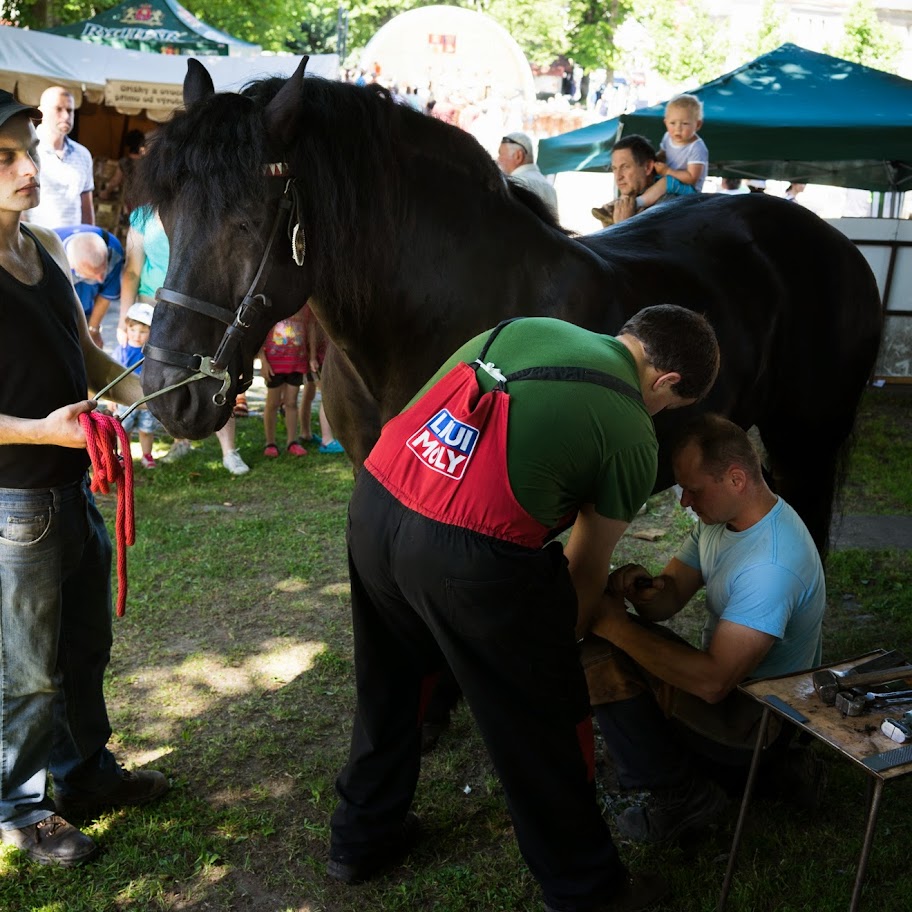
x=493 y=335
x=581 y=375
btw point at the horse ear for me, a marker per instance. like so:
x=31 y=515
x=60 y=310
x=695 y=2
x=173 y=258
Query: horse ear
x=197 y=83
x=279 y=113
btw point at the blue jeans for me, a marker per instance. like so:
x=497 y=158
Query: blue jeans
x=55 y=643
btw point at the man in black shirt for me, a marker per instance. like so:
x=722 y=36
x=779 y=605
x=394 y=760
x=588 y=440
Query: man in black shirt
x=55 y=554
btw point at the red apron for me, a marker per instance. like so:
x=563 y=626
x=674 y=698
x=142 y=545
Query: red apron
x=445 y=457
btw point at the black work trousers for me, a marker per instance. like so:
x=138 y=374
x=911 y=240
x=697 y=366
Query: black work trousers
x=503 y=617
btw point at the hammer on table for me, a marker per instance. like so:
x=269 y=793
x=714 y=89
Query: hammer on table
x=828 y=683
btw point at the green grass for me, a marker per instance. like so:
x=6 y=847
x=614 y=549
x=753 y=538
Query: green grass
x=880 y=480
x=232 y=672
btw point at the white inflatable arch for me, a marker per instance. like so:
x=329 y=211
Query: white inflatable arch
x=450 y=49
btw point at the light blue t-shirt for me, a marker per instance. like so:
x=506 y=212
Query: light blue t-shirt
x=769 y=578
x=157 y=251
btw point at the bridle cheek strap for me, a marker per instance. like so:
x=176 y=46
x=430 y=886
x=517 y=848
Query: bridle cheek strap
x=253 y=305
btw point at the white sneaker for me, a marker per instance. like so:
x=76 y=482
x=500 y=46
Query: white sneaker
x=179 y=449
x=233 y=462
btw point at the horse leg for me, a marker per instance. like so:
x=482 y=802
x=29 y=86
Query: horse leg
x=807 y=463
x=352 y=411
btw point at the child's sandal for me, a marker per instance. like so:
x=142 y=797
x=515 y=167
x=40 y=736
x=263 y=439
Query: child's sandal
x=295 y=449
x=271 y=450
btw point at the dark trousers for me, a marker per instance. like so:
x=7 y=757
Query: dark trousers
x=502 y=617
x=660 y=737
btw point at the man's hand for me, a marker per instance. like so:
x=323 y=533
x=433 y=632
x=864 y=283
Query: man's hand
x=95 y=333
x=634 y=583
x=625 y=207
x=610 y=613
x=62 y=427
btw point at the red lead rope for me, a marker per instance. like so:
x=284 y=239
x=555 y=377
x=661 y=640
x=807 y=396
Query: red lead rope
x=103 y=433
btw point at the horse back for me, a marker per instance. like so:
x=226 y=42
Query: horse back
x=793 y=301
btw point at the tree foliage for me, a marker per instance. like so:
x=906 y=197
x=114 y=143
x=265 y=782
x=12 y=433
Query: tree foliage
x=686 y=43
x=769 y=34
x=539 y=27
x=592 y=30
x=867 y=40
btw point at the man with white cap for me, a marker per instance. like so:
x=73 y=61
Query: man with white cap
x=55 y=553
x=516 y=158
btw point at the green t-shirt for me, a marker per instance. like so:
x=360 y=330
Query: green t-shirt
x=568 y=442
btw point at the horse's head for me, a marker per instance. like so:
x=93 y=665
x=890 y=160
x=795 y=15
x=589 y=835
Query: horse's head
x=231 y=214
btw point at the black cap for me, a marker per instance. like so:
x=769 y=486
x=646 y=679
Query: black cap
x=9 y=106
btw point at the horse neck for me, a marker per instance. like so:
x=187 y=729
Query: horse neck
x=430 y=301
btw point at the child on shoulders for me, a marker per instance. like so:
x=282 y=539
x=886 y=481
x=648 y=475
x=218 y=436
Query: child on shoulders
x=682 y=161
x=686 y=156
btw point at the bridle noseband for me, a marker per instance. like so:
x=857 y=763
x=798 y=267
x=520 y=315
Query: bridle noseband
x=253 y=305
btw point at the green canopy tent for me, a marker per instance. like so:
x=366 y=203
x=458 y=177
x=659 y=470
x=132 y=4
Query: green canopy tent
x=792 y=114
x=158 y=26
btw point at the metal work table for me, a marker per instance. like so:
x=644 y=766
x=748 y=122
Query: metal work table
x=793 y=697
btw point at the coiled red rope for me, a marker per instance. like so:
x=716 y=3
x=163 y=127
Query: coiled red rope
x=103 y=434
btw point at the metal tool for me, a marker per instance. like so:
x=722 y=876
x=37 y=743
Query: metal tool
x=853 y=703
x=828 y=683
x=891 y=659
x=890 y=695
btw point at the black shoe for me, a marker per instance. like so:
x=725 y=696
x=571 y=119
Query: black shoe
x=673 y=811
x=133 y=788
x=382 y=860
x=51 y=841
x=640 y=891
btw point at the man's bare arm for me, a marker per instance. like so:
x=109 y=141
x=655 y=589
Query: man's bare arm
x=589 y=550
x=88 y=207
x=60 y=428
x=733 y=654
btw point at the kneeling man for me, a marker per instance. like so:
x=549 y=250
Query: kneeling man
x=671 y=716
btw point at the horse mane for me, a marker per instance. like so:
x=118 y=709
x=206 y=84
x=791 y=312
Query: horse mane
x=208 y=158
x=353 y=150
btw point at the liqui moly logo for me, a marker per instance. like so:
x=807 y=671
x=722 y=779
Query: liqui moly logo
x=445 y=444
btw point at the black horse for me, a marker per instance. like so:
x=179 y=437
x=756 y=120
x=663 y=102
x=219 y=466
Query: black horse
x=410 y=241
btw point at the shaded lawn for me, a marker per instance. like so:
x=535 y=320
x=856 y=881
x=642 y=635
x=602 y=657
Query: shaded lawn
x=232 y=672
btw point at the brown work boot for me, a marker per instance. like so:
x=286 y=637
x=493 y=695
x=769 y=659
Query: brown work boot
x=133 y=788
x=605 y=214
x=51 y=841
x=640 y=891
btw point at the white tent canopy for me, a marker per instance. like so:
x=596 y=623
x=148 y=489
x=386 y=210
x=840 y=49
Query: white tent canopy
x=132 y=82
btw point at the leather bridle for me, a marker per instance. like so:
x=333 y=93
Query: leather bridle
x=253 y=305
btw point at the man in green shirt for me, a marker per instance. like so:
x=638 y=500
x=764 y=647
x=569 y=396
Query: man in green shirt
x=527 y=429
